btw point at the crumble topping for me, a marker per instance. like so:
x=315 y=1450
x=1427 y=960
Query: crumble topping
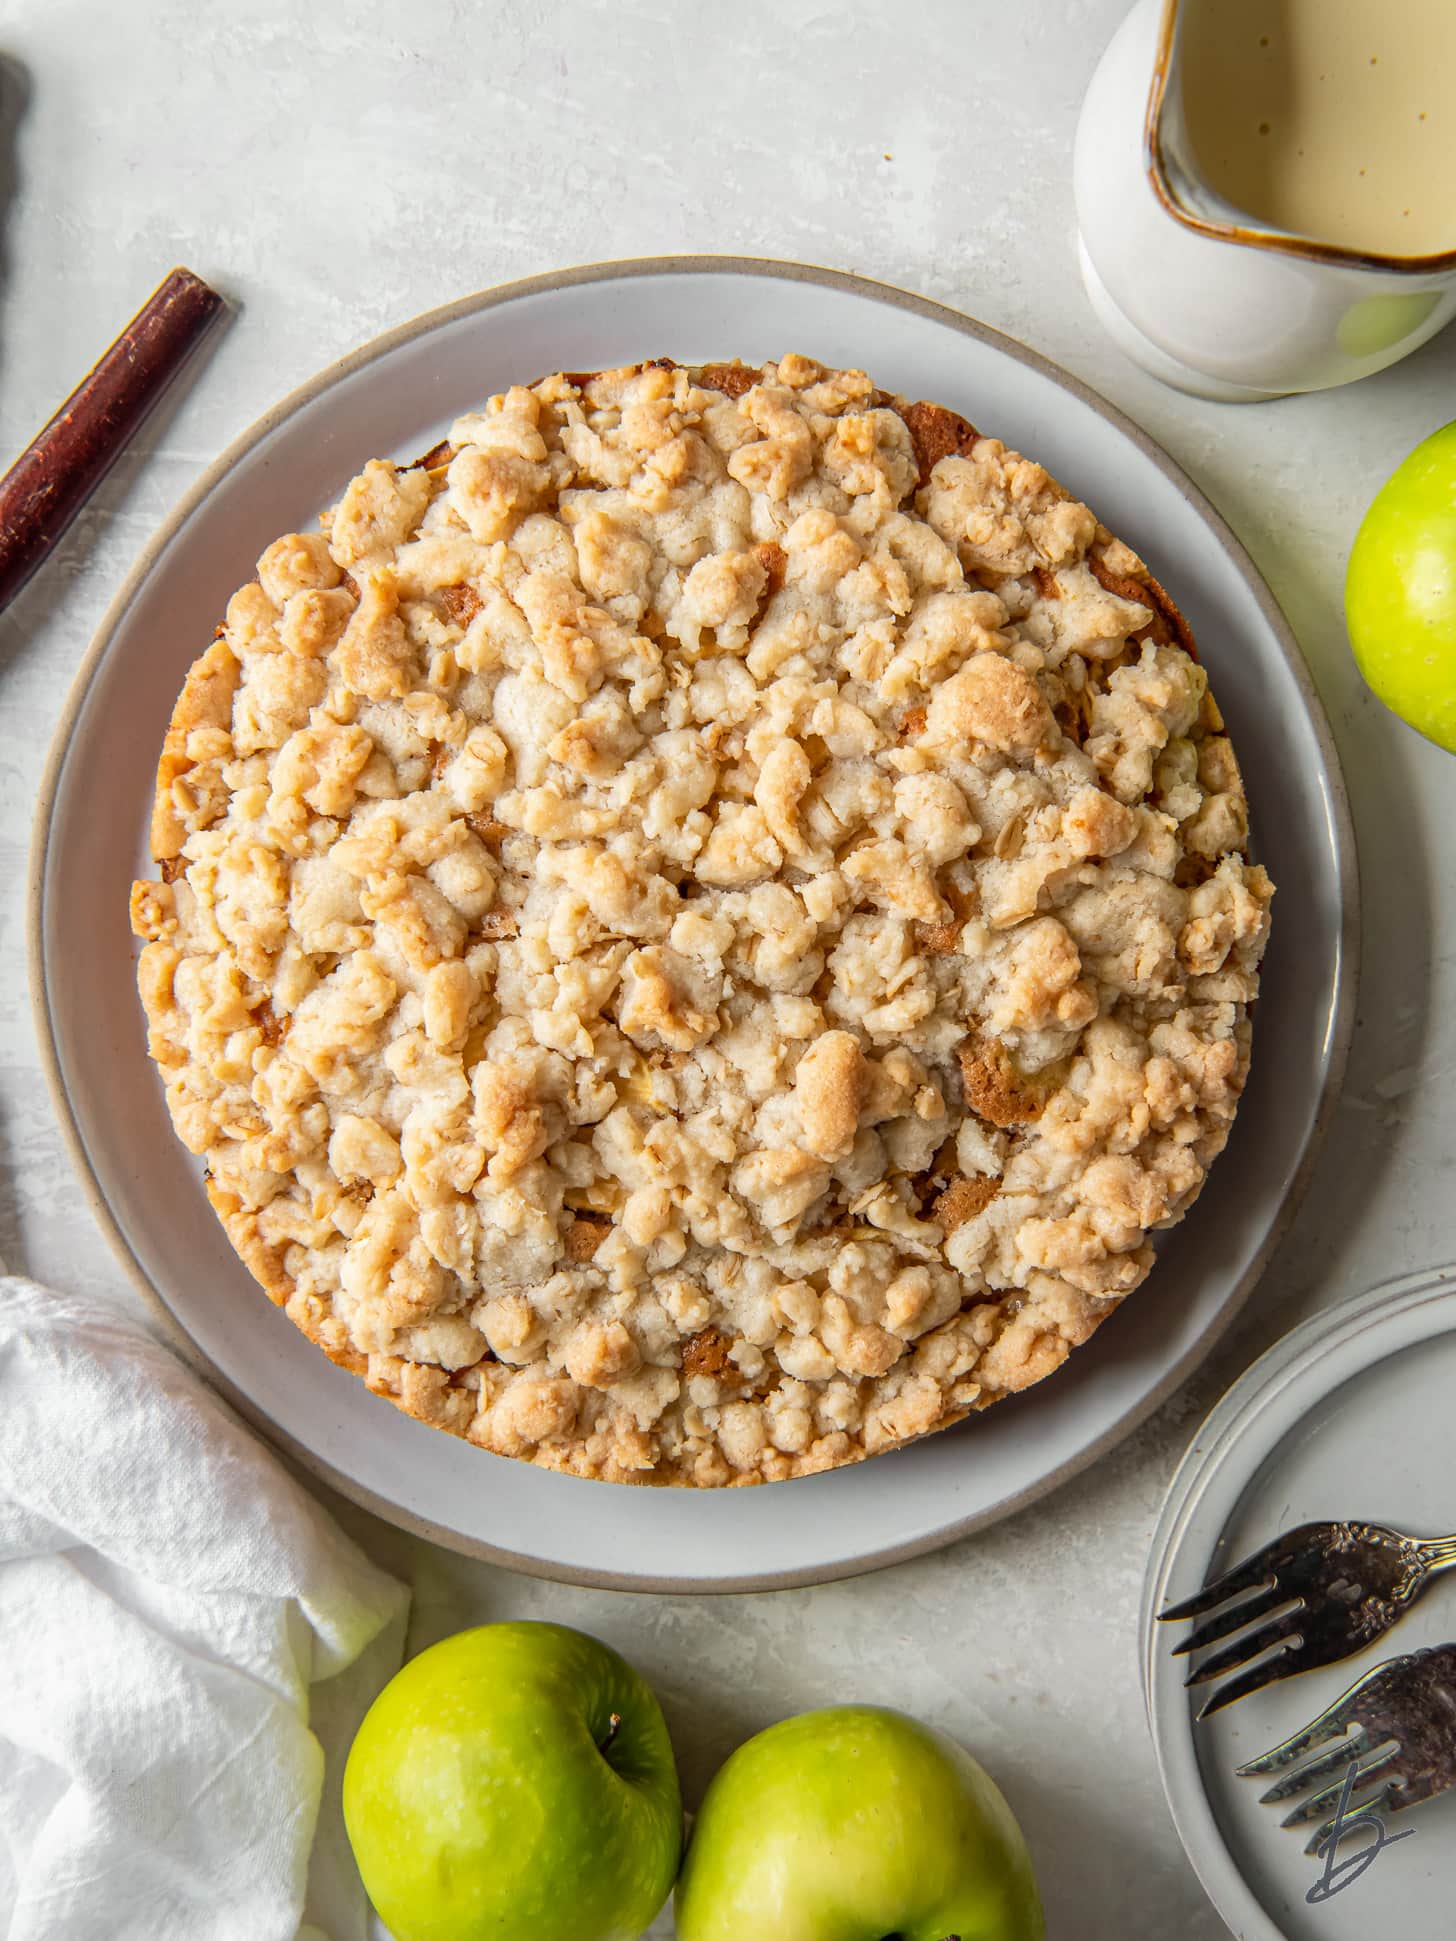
x=703 y=925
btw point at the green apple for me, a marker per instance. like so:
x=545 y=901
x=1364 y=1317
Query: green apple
x=1400 y=590
x=856 y=1824
x=515 y=1782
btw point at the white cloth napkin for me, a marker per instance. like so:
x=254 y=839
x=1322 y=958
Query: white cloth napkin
x=168 y=1596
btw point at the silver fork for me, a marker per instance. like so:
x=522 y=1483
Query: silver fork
x=1403 y=1716
x=1325 y=1591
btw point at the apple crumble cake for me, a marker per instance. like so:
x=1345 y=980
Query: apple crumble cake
x=702 y=925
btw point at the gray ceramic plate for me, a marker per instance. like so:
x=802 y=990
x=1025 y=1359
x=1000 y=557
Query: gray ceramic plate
x=395 y=397
x=1347 y=1417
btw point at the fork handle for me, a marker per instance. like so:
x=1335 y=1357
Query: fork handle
x=1439 y=1554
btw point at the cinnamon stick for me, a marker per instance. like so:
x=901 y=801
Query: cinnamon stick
x=55 y=475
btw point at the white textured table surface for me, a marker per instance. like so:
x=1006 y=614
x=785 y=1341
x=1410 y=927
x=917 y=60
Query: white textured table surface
x=337 y=170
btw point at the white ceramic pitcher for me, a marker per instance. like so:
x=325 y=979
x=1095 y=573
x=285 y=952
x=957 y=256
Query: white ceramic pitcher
x=1195 y=290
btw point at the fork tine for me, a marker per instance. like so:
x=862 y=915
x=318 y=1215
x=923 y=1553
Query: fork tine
x=1275 y=1666
x=1277 y=1631
x=1378 y=1771
x=1311 y=1774
x=1234 y=1618
x=1329 y=1725
x=1335 y=1719
x=1254 y=1573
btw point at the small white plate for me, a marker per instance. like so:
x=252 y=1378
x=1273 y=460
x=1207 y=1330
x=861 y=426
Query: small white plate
x=1347 y=1417
x=395 y=397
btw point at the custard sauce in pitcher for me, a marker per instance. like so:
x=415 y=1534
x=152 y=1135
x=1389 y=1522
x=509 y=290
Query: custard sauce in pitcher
x=1330 y=119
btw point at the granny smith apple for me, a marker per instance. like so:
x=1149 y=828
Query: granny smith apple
x=515 y=1782
x=1400 y=590
x=856 y=1824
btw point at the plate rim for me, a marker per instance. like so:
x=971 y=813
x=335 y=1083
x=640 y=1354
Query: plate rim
x=1294 y=1361
x=1339 y=1029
